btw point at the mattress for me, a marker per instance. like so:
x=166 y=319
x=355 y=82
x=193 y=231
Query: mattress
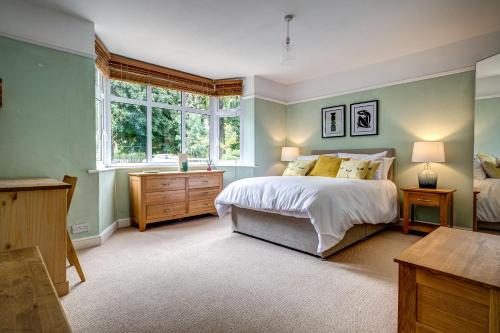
x=332 y=205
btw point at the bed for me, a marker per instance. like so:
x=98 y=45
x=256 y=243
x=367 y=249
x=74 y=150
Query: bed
x=488 y=203
x=327 y=230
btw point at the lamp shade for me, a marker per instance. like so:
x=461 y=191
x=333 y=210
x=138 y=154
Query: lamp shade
x=289 y=153
x=428 y=151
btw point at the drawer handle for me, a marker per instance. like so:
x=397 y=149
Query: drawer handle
x=424 y=200
x=166 y=210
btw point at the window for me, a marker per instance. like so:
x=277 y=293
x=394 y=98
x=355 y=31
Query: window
x=149 y=124
x=228 y=128
x=100 y=98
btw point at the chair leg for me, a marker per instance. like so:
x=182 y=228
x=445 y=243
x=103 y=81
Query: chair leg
x=73 y=258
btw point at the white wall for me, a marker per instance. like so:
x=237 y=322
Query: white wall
x=448 y=59
x=45 y=27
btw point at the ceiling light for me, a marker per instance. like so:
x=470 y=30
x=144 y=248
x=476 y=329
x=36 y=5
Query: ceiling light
x=288 y=56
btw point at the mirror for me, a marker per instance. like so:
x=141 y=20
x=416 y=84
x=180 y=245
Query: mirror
x=487 y=145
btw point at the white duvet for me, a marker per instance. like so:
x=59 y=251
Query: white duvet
x=488 y=200
x=333 y=205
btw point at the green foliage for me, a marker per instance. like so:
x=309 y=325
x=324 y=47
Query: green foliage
x=166 y=132
x=229 y=102
x=197 y=135
x=229 y=138
x=128 y=90
x=201 y=102
x=128 y=128
x=162 y=95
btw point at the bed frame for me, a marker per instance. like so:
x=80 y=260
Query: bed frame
x=299 y=233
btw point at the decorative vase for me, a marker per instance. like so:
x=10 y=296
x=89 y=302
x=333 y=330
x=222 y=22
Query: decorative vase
x=427 y=178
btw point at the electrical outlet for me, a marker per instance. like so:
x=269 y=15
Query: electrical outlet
x=78 y=228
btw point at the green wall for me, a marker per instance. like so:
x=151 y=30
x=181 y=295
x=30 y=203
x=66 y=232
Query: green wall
x=47 y=130
x=487 y=126
x=47 y=125
x=440 y=109
x=270 y=136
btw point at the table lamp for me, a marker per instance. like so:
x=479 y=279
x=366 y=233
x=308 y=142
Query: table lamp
x=289 y=153
x=427 y=152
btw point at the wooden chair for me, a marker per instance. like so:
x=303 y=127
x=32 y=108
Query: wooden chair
x=70 y=249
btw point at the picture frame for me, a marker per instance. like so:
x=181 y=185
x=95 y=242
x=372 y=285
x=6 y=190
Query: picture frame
x=333 y=121
x=364 y=118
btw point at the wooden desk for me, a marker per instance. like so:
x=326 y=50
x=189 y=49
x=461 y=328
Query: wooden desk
x=28 y=300
x=33 y=213
x=450 y=282
x=440 y=198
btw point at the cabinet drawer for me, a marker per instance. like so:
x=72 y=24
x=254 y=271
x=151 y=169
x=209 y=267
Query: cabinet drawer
x=165 y=197
x=201 y=194
x=206 y=205
x=157 y=184
x=424 y=199
x=165 y=211
x=204 y=181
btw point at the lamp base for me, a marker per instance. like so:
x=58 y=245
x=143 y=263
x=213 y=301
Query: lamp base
x=427 y=178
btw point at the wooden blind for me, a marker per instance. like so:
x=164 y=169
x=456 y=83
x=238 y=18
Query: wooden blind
x=122 y=68
x=102 y=57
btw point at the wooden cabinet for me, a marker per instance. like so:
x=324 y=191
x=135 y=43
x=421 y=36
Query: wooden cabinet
x=33 y=213
x=162 y=196
x=450 y=282
x=439 y=198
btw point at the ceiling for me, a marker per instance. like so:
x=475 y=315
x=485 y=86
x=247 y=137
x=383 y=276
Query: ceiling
x=235 y=38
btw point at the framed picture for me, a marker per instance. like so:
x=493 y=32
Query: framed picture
x=333 y=121
x=364 y=118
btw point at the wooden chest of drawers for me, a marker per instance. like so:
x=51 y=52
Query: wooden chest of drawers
x=156 y=197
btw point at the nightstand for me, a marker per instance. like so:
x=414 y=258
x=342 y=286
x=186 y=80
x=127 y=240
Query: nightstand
x=439 y=198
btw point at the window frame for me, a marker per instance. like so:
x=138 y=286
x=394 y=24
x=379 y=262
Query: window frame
x=213 y=113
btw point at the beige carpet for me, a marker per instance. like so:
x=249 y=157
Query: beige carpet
x=198 y=276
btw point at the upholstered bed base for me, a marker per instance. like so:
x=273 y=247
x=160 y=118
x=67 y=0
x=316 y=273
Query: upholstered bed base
x=292 y=232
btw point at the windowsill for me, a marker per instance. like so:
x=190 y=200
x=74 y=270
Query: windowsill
x=165 y=166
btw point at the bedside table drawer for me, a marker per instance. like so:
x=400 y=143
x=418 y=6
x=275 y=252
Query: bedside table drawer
x=424 y=199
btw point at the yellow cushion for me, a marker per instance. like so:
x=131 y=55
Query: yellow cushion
x=326 y=166
x=492 y=169
x=298 y=168
x=372 y=169
x=354 y=169
x=485 y=157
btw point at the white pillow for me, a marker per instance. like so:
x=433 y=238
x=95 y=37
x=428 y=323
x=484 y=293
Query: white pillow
x=379 y=174
x=479 y=173
x=307 y=157
x=387 y=166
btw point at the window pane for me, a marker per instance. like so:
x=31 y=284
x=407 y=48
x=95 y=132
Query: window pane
x=196 y=101
x=98 y=129
x=229 y=102
x=166 y=135
x=128 y=90
x=229 y=138
x=162 y=95
x=197 y=136
x=128 y=127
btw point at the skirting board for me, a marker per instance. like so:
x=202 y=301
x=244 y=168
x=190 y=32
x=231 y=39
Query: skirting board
x=83 y=243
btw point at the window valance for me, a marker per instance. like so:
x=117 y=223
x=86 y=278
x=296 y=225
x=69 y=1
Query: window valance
x=122 y=68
